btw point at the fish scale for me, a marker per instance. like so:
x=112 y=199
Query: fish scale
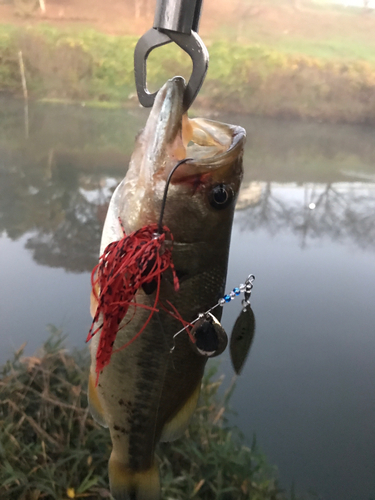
x=143 y=440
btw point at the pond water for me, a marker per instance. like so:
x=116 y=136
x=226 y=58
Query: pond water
x=305 y=227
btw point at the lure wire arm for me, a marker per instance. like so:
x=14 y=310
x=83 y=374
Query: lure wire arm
x=244 y=288
x=175 y=21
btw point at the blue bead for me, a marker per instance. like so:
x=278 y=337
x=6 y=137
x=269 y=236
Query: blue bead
x=227 y=298
x=236 y=291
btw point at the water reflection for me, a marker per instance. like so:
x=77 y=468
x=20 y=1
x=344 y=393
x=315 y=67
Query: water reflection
x=65 y=223
x=64 y=209
x=340 y=211
x=47 y=181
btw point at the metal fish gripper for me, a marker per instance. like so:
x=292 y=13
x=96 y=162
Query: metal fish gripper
x=175 y=21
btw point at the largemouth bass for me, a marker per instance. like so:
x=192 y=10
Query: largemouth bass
x=148 y=391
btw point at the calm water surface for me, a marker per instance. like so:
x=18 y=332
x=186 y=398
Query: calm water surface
x=305 y=227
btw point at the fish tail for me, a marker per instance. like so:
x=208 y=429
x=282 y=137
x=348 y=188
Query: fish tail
x=127 y=484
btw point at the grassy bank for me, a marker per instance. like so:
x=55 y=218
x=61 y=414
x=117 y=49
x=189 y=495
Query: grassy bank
x=50 y=447
x=250 y=78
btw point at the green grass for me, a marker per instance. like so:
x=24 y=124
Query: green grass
x=51 y=448
x=296 y=78
x=317 y=29
x=343 y=49
x=338 y=45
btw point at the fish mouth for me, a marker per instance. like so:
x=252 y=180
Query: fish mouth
x=170 y=136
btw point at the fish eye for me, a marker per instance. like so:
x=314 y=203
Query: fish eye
x=221 y=196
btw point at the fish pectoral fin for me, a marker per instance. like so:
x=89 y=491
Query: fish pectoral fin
x=94 y=300
x=126 y=484
x=178 y=424
x=95 y=406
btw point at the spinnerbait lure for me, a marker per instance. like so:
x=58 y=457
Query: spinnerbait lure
x=210 y=338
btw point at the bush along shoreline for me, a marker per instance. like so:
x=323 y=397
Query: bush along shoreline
x=87 y=65
x=51 y=448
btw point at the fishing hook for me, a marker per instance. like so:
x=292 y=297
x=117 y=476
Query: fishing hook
x=160 y=223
